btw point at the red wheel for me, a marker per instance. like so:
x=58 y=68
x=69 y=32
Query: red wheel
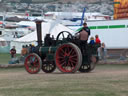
x=68 y=58
x=33 y=63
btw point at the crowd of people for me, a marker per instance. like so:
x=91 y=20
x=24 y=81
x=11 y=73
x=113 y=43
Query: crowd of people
x=84 y=34
x=102 y=51
x=27 y=49
x=24 y=52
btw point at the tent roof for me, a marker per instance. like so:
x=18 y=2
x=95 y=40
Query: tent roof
x=6 y=38
x=16 y=19
x=1 y=39
x=26 y=23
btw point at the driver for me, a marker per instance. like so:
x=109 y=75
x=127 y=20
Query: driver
x=83 y=36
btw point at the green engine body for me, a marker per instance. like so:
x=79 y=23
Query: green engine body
x=48 y=52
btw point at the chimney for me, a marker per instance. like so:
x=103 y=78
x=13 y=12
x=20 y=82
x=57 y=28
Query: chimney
x=39 y=33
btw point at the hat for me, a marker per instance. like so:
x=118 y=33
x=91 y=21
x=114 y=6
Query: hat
x=84 y=23
x=32 y=44
x=92 y=38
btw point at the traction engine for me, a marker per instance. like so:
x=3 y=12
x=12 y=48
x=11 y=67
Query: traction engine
x=64 y=52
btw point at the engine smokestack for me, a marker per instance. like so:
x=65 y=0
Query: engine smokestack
x=39 y=32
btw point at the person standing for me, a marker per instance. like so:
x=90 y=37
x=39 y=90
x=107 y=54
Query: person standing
x=84 y=33
x=103 y=51
x=97 y=40
x=13 y=52
x=86 y=28
x=92 y=41
x=24 y=51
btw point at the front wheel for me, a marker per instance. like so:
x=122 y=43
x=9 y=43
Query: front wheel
x=33 y=63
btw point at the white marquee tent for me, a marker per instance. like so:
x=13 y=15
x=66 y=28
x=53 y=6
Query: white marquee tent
x=5 y=44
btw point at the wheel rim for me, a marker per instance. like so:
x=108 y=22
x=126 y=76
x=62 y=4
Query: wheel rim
x=90 y=66
x=48 y=66
x=67 y=58
x=33 y=63
x=85 y=68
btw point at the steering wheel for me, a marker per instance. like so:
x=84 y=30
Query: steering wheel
x=64 y=36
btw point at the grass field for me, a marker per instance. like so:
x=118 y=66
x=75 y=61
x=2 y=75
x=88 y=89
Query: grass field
x=5 y=57
x=105 y=80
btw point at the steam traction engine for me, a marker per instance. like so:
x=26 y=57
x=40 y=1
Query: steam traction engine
x=65 y=53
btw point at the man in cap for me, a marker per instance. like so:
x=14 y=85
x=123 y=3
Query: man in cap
x=83 y=36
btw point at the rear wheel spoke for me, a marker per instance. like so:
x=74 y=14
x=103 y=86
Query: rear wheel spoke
x=71 y=60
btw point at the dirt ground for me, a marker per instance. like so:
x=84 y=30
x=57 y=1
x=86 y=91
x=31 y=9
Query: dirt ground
x=100 y=70
x=105 y=80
